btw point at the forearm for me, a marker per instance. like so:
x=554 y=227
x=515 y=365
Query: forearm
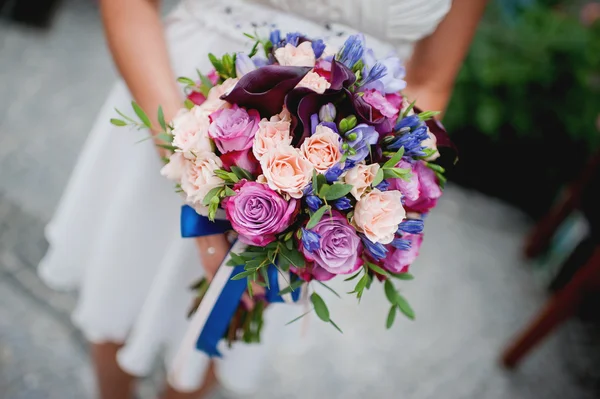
x=136 y=40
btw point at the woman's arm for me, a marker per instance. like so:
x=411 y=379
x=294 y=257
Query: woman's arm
x=136 y=39
x=436 y=59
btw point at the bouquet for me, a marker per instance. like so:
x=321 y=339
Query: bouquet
x=315 y=160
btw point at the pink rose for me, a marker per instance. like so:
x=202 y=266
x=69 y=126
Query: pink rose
x=271 y=134
x=315 y=82
x=379 y=102
x=398 y=260
x=198 y=176
x=174 y=169
x=303 y=55
x=190 y=132
x=408 y=188
x=286 y=170
x=429 y=189
x=378 y=214
x=244 y=159
x=233 y=129
x=258 y=213
x=360 y=177
x=322 y=149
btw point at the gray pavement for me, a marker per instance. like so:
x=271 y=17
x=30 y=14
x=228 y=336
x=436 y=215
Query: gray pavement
x=471 y=294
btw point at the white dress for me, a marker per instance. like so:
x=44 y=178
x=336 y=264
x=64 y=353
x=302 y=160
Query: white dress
x=115 y=235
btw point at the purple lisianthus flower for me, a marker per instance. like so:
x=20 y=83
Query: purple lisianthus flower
x=377 y=251
x=243 y=65
x=318 y=47
x=411 y=226
x=333 y=173
x=399 y=260
x=360 y=139
x=233 y=129
x=342 y=204
x=313 y=202
x=310 y=240
x=258 y=213
x=340 y=246
x=393 y=79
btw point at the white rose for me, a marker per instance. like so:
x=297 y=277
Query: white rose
x=198 y=177
x=303 y=55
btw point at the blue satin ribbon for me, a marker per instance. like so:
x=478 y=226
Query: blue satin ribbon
x=195 y=225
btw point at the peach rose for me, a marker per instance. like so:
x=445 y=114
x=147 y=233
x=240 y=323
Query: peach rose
x=360 y=177
x=303 y=55
x=190 y=131
x=431 y=142
x=198 y=176
x=378 y=214
x=283 y=116
x=322 y=149
x=271 y=134
x=286 y=170
x=315 y=82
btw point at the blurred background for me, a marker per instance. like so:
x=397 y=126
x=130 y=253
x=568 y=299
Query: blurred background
x=516 y=226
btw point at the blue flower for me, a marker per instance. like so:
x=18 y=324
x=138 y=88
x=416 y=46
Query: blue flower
x=310 y=240
x=401 y=243
x=377 y=72
x=411 y=121
x=411 y=140
x=314 y=121
x=342 y=204
x=275 y=37
x=352 y=50
x=364 y=136
x=411 y=226
x=390 y=82
x=333 y=173
x=377 y=250
x=349 y=164
x=318 y=47
x=383 y=186
x=293 y=38
x=313 y=202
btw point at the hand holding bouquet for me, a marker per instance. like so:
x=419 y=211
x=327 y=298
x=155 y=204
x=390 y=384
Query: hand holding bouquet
x=316 y=161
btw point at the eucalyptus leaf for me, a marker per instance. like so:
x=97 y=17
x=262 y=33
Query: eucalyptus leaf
x=316 y=217
x=393 y=161
x=390 y=292
x=391 y=317
x=242 y=275
x=298 y=318
x=294 y=285
x=336 y=326
x=141 y=114
x=377 y=269
x=118 y=122
x=378 y=178
x=320 y=307
x=403 y=276
x=337 y=191
x=328 y=288
x=186 y=81
x=161 y=119
x=242 y=173
x=209 y=196
x=405 y=307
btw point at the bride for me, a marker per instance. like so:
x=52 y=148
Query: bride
x=115 y=236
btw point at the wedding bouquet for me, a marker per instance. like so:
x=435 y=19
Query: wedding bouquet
x=315 y=160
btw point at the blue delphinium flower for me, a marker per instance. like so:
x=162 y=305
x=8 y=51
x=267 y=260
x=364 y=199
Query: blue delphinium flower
x=401 y=243
x=360 y=139
x=383 y=186
x=377 y=250
x=411 y=121
x=318 y=47
x=410 y=133
x=376 y=73
x=313 y=202
x=352 y=50
x=293 y=38
x=349 y=164
x=310 y=240
x=411 y=226
x=333 y=173
x=314 y=121
x=342 y=204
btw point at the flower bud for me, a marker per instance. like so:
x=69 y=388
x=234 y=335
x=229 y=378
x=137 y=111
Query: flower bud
x=327 y=113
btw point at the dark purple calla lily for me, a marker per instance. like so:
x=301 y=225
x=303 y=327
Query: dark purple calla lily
x=365 y=113
x=341 y=76
x=265 y=88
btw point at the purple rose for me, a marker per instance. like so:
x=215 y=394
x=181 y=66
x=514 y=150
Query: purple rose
x=258 y=213
x=429 y=190
x=339 y=247
x=233 y=129
x=398 y=260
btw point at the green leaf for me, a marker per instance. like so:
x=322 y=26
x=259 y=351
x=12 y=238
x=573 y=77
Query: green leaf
x=229 y=192
x=329 y=288
x=205 y=80
x=393 y=161
x=428 y=115
x=320 y=307
x=161 y=119
x=167 y=138
x=189 y=104
x=405 y=307
x=435 y=167
x=407 y=110
x=323 y=190
x=236 y=260
x=390 y=292
x=403 y=276
x=254 y=49
x=292 y=255
x=336 y=326
x=292 y=287
x=210 y=195
x=298 y=318
x=125 y=116
x=242 y=275
x=353 y=276
x=391 y=317
x=217 y=64
x=397 y=173
x=141 y=114
x=167 y=147
x=361 y=285
x=378 y=177
x=242 y=173
x=316 y=217
x=338 y=190
x=377 y=269
x=265 y=276
x=248 y=286
x=118 y=122
x=315 y=182
x=186 y=81
x=233 y=177
x=321 y=180
x=249 y=36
